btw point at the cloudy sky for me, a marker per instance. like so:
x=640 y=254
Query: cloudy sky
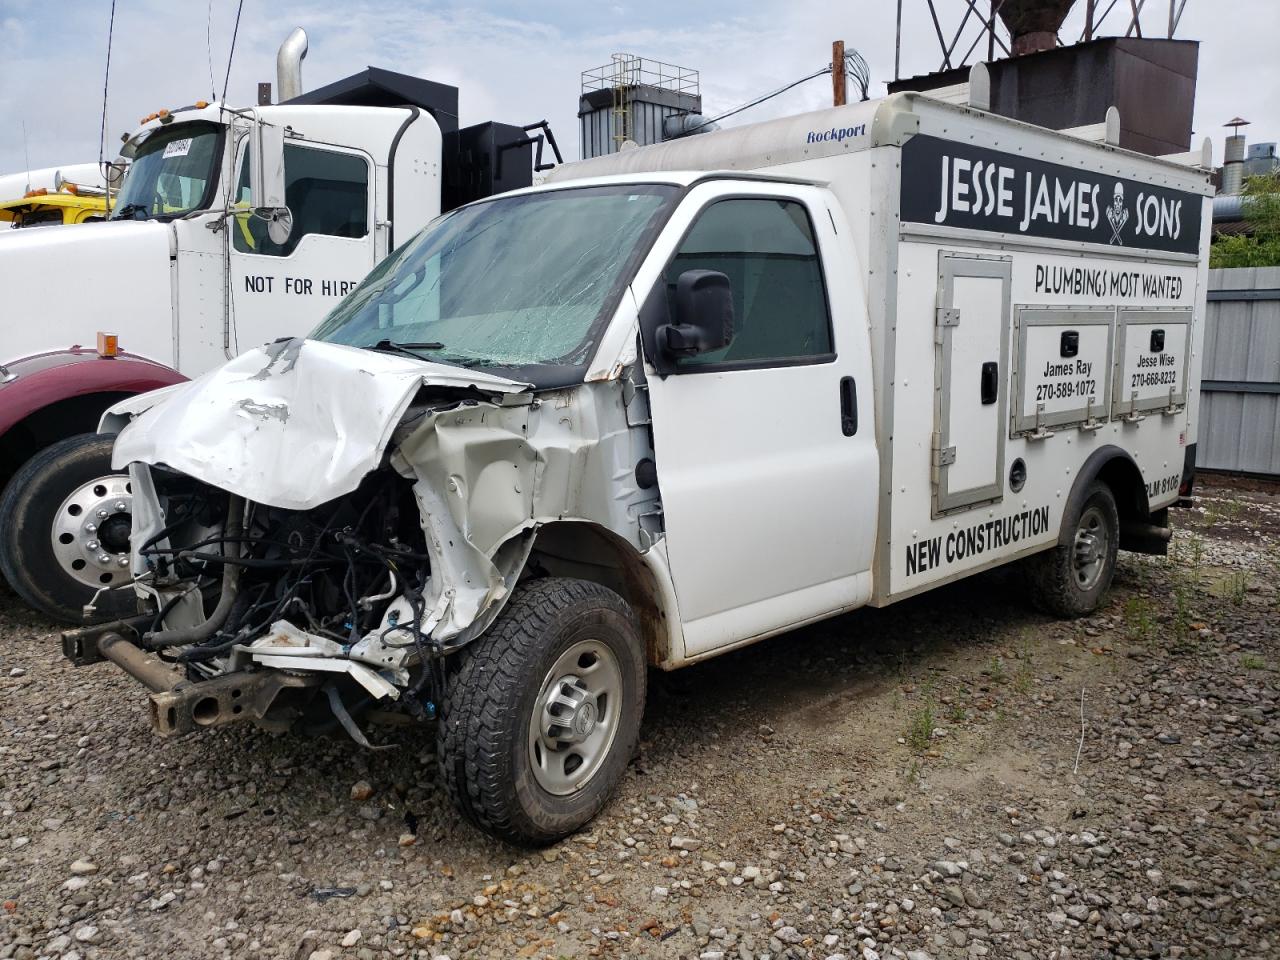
x=520 y=62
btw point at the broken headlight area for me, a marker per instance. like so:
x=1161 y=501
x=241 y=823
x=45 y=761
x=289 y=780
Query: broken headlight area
x=291 y=618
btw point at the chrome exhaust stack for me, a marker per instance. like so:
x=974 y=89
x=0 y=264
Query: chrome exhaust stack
x=289 y=65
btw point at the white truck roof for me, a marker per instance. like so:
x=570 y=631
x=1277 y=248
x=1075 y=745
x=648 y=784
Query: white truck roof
x=856 y=127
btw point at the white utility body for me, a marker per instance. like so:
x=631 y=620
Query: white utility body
x=671 y=402
x=950 y=239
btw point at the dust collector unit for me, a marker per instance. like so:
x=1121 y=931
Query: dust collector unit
x=630 y=98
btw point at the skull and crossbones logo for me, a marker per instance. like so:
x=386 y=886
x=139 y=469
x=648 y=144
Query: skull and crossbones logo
x=1117 y=215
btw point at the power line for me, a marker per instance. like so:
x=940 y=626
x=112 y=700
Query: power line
x=855 y=65
x=759 y=100
x=231 y=56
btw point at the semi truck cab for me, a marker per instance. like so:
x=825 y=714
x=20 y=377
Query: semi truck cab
x=232 y=227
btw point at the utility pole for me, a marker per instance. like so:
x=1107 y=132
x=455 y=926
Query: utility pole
x=838 y=91
x=1088 y=21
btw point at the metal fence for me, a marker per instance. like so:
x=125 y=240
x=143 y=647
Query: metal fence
x=1240 y=402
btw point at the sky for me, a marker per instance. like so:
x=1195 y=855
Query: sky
x=521 y=62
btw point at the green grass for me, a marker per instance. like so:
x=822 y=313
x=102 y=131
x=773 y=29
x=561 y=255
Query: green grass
x=1139 y=619
x=920 y=727
x=1236 y=586
x=1251 y=661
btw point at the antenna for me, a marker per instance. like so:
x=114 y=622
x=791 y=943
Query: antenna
x=102 y=133
x=232 y=54
x=26 y=151
x=208 y=46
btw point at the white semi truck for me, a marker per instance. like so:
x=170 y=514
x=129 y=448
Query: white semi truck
x=205 y=255
x=670 y=403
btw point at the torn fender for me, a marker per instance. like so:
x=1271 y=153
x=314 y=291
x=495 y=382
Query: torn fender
x=293 y=424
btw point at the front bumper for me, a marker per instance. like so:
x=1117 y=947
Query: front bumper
x=271 y=699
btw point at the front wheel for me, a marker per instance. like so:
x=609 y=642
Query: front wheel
x=543 y=711
x=1070 y=579
x=65 y=520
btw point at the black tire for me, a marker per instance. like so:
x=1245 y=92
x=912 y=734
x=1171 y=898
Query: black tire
x=27 y=513
x=1055 y=579
x=484 y=730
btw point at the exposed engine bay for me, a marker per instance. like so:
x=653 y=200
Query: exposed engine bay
x=297 y=565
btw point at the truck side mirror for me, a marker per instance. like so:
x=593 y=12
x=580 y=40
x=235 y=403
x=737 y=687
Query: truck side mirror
x=703 y=315
x=266 y=180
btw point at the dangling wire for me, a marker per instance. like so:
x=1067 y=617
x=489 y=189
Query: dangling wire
x=855 y=66
x=231 y=56
x=102 y=133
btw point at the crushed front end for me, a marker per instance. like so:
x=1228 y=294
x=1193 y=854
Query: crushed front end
x=282 y=617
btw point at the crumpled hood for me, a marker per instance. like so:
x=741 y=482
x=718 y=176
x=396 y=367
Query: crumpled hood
x=57 y=281
x=292 y=425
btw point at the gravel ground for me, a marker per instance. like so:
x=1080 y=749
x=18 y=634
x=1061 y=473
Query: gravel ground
x=914 y=782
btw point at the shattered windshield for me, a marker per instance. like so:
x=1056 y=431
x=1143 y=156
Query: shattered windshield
x=170 y=173
x=513 y=282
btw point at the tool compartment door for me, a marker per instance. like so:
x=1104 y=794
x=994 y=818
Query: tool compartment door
x=970 y=375
x=1151 y=361
x=1063 y=373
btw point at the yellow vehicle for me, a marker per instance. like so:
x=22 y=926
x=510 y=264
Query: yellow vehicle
x=41 y=208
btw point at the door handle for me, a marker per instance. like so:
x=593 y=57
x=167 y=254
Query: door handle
x=848 y=406
x=990 y=382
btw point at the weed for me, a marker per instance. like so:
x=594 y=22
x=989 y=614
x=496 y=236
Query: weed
x=1183 y=635
x=957 y=714
x=920 y=727
x=1236 y=586
x=996 y=671
x=913 y=772
x=1139 y=619
x=1022 y=681
x=1251 y=661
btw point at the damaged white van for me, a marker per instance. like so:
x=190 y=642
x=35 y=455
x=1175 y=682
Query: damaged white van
x=672 y=402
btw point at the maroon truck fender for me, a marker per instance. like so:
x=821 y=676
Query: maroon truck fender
x=34 y=383
x=46 y=397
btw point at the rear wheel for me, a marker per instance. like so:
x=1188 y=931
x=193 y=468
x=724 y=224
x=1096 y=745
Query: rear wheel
x=543 y=712
x=65 y=520
x=1071 y=579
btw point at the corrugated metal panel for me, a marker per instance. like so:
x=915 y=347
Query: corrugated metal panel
x=1240 y=407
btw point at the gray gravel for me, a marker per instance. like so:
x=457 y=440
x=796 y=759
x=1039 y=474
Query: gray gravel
x=897 y=783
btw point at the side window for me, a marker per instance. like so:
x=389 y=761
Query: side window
x=327 y=192
x=766 y=249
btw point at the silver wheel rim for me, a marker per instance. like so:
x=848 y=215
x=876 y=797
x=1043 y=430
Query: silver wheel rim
x=575 y=717
x=1093 y=543
x=90 y=532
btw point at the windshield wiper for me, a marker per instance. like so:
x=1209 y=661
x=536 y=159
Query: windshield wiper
x=407 y=348
x=128 y=211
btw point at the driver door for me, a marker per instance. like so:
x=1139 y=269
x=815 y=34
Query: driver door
x=765 y=449
x=285 y=289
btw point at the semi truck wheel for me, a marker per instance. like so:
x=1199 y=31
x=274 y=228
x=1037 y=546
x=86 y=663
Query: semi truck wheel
x=65 y=519
x=1071 y=579
x=543 y=711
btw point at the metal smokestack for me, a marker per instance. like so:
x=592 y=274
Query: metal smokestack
x=289 y=65
x=1233 y=158
x=1033 y=24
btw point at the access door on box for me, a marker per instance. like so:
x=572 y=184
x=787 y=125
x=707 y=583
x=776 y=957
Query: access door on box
x=1063 y=373
x=970 y=373
x=1151 y=361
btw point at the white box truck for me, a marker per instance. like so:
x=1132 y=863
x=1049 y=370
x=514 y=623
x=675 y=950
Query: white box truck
x=672 y=402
